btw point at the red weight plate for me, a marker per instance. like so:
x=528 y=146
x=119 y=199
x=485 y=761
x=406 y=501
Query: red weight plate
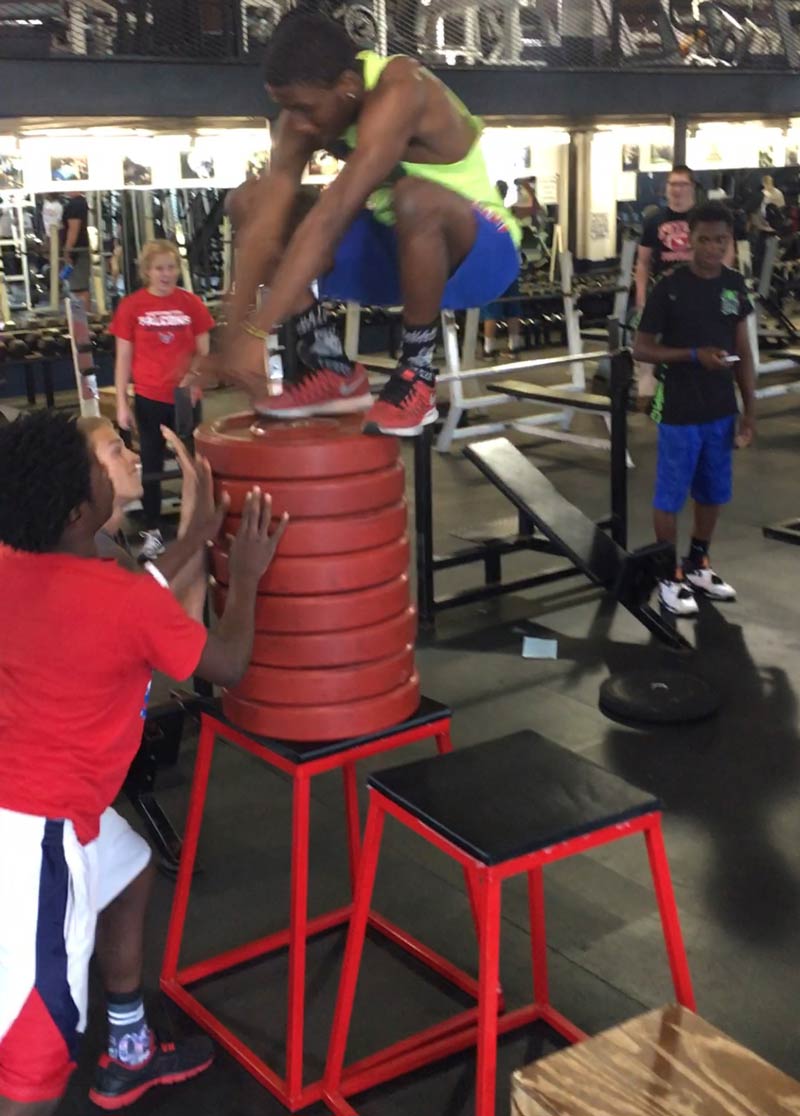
x=308 y=499
x=332 y=649
x=329 y=573
x=331 y=613
x=248 y=445
x=330 y=686
x=325 y=722
x=339 y=535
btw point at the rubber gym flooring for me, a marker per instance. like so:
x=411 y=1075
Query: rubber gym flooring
x=731 y=788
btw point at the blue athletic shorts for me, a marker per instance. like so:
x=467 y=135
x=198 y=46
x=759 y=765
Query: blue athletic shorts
x=696 y=458
x=366 y=267
x=502 y=311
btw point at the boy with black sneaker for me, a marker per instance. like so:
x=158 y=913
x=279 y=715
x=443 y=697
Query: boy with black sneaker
x=694 y=328
x=82 y=639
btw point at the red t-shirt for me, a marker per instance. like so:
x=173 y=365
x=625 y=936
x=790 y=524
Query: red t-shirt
x=163 y=332
x=81 y=639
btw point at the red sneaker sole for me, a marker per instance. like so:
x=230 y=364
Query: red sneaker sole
x=347 y=406
x=112 y=1104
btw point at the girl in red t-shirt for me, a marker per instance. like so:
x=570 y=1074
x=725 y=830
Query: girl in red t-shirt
x=158 y=330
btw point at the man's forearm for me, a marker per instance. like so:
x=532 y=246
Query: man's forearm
x=642 y=279
x=256 y=264
x=230 y=646
x=191 y=586
x=122 y=380
x=308 y=256
x=651 y=352
x=746 y=382
x=179 y=554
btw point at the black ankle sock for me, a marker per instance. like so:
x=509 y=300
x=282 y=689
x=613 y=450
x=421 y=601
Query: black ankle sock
x=698 y=552
x=318 y=341
x=129 y=1037
x=417 y=350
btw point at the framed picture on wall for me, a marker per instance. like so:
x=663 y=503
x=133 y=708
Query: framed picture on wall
x=630 y=156
x=661 y=154
x=323 y=165
x=599 y=226
x=258 y=162
x=196 y=164
x=69 y=168
x=10 y=172
x=136 y=174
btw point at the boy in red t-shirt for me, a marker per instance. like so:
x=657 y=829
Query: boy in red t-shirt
x=158 y=330
x=82 y=637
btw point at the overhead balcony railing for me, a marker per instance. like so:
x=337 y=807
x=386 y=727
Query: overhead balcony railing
x=719 y=35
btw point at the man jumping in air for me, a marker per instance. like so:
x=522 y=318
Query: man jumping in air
x=412 y=220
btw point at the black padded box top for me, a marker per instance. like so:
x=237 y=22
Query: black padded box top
x=511 y=796
x=427 y=712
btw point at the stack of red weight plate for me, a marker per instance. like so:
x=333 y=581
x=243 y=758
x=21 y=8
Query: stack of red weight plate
x=333 y=655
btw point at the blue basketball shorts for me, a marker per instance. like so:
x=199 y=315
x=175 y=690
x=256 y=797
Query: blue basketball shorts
x=366 y=267
x=695 y=458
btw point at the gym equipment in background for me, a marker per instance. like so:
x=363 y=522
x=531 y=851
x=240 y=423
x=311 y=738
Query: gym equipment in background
x=490 y=543
x=630 y=576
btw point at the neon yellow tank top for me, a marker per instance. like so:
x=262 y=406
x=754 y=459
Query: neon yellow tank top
x=469 y=177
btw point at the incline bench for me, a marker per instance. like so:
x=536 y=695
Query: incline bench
x=630 y=576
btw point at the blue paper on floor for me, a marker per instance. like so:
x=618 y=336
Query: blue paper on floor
x=533 y=648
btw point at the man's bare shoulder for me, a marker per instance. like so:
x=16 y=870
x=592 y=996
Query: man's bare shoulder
x=403 y=68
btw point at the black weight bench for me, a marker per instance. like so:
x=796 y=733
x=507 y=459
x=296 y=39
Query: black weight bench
x=538 y=393
x=630 y=576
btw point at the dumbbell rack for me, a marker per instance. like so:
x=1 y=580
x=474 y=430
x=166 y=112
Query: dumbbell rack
x=30 y=349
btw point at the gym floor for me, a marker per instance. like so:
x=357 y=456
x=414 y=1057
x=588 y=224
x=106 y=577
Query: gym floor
x=731 y=789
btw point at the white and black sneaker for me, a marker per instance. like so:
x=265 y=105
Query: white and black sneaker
x=677 y=597
x=702 y=577
x=152 y=546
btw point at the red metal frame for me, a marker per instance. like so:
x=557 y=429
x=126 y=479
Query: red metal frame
x=291 y=1090
x=463 y=1031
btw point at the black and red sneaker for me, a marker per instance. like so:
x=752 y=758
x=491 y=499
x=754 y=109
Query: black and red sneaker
x=406 y=404
x=318 y=391
x=116 y=1086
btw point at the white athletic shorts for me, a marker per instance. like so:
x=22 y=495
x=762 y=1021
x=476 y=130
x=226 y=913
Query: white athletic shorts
x=51 y=890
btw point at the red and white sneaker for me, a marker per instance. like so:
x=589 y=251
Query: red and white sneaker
x=318 y=391
x=405 y=405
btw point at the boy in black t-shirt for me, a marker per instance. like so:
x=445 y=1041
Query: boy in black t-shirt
x=694 y=327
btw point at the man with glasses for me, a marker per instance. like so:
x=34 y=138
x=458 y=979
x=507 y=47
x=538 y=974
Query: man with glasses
x=665 y=236
x=664 y=243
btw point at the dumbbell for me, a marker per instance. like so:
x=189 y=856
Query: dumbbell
x=17 y=349
x=47 y=345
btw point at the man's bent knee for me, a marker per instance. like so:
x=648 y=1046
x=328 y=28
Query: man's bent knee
x=415 y=199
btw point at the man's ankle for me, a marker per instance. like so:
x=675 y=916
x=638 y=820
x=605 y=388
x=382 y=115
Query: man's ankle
x=130 y=1040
